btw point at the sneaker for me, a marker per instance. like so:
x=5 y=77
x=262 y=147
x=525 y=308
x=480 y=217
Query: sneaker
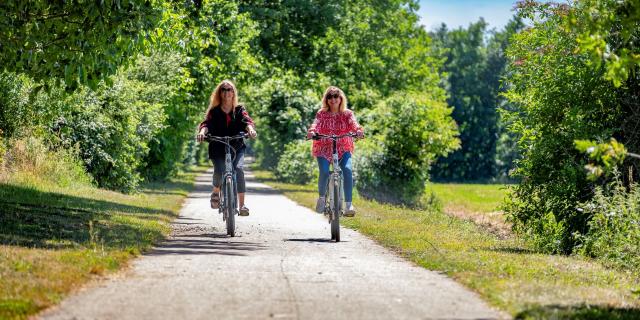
x=244 y=211
x=215 y=200
x=351 y=211
x=320 y=205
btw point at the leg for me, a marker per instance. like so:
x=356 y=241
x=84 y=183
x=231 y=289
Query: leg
x=240 y=182
x=218 y=168
x=323 y=167
x=347 y=176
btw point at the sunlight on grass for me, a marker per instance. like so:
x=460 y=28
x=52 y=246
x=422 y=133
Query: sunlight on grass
x=471 y=197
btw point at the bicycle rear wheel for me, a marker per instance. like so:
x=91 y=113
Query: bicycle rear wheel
x=335 y=207
x=230 y=206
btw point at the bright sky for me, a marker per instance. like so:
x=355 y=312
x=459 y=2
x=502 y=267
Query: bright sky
x=460 y=13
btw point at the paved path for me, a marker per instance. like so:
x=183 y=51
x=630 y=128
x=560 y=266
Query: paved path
x=280 y=265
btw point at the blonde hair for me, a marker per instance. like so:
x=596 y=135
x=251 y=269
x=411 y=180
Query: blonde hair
x=343 y=99
x=215 y=99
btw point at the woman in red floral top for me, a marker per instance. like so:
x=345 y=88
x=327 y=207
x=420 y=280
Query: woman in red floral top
x=334 y=118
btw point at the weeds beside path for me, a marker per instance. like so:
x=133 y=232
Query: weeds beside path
x=506 y=272
x=53 y=238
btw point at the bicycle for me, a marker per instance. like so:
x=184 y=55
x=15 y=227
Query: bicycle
x=228 y=189
x=334 y=196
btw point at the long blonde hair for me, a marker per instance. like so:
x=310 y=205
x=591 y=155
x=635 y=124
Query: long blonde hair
x=215 y=99
x=343 y=99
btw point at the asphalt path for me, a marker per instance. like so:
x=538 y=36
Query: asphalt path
x=280 y=265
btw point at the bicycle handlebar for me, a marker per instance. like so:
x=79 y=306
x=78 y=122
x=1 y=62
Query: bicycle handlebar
x=319 y=136
x=211 y=138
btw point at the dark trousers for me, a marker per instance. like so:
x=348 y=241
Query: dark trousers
x=218 y=170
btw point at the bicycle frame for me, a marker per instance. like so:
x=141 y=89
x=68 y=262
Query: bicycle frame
x=334 y=196
x=228 y=188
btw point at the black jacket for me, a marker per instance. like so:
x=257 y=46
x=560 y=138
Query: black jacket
x=216 y=123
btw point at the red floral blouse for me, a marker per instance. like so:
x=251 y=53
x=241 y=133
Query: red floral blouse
x=333 y=123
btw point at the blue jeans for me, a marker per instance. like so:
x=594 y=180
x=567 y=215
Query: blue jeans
x=347 y=175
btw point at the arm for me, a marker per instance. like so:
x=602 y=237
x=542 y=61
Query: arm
x=250 y=125
x=202 y=131
x=355 y=126
x=312 y=129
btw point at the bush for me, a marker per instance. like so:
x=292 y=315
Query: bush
x=284 y=108
x=296 y=164
x=560 y=97
x=614 y=228
x=408 y=132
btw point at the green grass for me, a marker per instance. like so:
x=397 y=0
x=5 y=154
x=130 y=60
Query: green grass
x=56 y=237
x=470 y=197
x=505 y=272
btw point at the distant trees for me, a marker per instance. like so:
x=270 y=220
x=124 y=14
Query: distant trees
x=475 y=65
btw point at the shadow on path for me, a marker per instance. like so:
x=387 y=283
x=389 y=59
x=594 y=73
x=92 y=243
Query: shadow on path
x=578 y=312
x=208 y=243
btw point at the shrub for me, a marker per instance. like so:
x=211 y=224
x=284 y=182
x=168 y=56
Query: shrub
x=284 y=108
x=408 y=132
x=296 y=164
x=614 y=228
x=560 y=97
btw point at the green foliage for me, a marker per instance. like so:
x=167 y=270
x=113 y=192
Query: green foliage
x=614 y=232
x=408 y=132
x=474 y=68
x=284 y=107
x=113 y=127
x=560 y=97
x=296 y=164
x=80 y=42
x=607 y=30
x=610 y=155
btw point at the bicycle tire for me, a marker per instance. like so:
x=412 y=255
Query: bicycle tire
x=230 y=207
x=335 y=223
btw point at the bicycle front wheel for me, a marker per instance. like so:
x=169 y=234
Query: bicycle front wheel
x=229 y=200
x=336 y=208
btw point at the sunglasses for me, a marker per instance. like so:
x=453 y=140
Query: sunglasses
x=333 y=96
x=226 y=89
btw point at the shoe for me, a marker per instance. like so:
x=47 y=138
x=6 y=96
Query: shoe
x=244 y=211
x=350 y=212
x=320 y=205
x=215 y=200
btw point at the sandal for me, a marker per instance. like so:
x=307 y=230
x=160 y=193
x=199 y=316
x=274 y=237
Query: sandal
x=215 y=200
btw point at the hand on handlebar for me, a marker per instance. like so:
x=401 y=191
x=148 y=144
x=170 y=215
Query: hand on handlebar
x=311 y=135
x=201 y=135
x=360 y=134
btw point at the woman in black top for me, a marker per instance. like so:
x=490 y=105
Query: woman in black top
x=225 y=117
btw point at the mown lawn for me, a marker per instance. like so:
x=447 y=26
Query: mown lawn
x=483 y=198
x=53 y=238
x=504 y=271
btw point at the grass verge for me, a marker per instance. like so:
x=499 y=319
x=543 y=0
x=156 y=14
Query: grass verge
x=54 y=238
x=504 y=271
x=479 y=203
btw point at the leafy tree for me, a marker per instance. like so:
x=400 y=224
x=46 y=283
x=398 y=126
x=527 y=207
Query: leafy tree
x=80 y=42
x=474 y=101
x=561 y=97
x=607 y=30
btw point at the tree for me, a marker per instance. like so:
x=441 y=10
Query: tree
x=80 y=42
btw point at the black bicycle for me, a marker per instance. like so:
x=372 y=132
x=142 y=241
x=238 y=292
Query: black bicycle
x=334 y=196
x=228 y=190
